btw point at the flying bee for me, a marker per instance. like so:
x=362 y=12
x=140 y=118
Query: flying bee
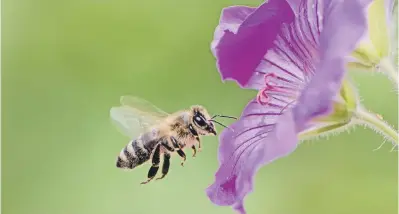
x=157 y=134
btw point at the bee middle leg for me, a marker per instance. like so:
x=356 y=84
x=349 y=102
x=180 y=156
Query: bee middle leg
x=179 y=151
x=195 y=134
x=199 y=146
x=155 y=164
x=167 y=147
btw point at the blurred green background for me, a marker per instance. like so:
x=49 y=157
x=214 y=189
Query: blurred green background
x=66 y=63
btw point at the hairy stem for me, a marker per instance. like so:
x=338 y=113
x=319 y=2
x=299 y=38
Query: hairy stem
x=376 y=123
x=389 y=69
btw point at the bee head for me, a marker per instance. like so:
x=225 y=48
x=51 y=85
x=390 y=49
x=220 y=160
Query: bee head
x=202 y=121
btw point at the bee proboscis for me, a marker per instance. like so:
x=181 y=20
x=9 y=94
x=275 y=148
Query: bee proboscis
x=156 y=133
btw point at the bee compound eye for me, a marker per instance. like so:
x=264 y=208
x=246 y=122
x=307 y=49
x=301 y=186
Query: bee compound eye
x=199 y=121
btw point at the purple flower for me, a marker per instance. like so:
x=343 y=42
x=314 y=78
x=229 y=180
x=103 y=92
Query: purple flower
x=293 y=52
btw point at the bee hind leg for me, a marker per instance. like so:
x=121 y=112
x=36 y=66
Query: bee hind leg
x=151 y=174
x=165 y=165
x=155 y=165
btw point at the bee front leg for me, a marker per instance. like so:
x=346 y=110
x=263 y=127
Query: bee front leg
x=179 y=151
x=194 y=151
x=199 y=144
x=155 y=164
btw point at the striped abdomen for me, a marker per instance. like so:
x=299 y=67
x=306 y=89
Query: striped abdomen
x=134 y=154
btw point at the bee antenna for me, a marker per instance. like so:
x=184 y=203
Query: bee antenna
x=221 y=124
x=225 y=116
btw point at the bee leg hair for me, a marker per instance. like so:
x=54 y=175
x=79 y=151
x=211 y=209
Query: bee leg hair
x=155 y=164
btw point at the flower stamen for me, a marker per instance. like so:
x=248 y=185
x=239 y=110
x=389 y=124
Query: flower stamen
x=275 y=85
x=263 y=95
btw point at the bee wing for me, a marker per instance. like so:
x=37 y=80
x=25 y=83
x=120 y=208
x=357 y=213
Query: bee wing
x=143 y=106
x=135 y=116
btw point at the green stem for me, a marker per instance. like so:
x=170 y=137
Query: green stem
x=377 y=124
x=320 y=131
x=388 y=68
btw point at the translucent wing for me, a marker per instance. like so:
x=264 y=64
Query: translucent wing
x=135 y=115
x=143 y=106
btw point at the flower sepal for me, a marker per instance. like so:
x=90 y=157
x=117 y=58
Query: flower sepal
x=376 y=52
x=342 y=108
x=366 y=56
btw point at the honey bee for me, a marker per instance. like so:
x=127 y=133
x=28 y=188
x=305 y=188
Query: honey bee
x=157 y=134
